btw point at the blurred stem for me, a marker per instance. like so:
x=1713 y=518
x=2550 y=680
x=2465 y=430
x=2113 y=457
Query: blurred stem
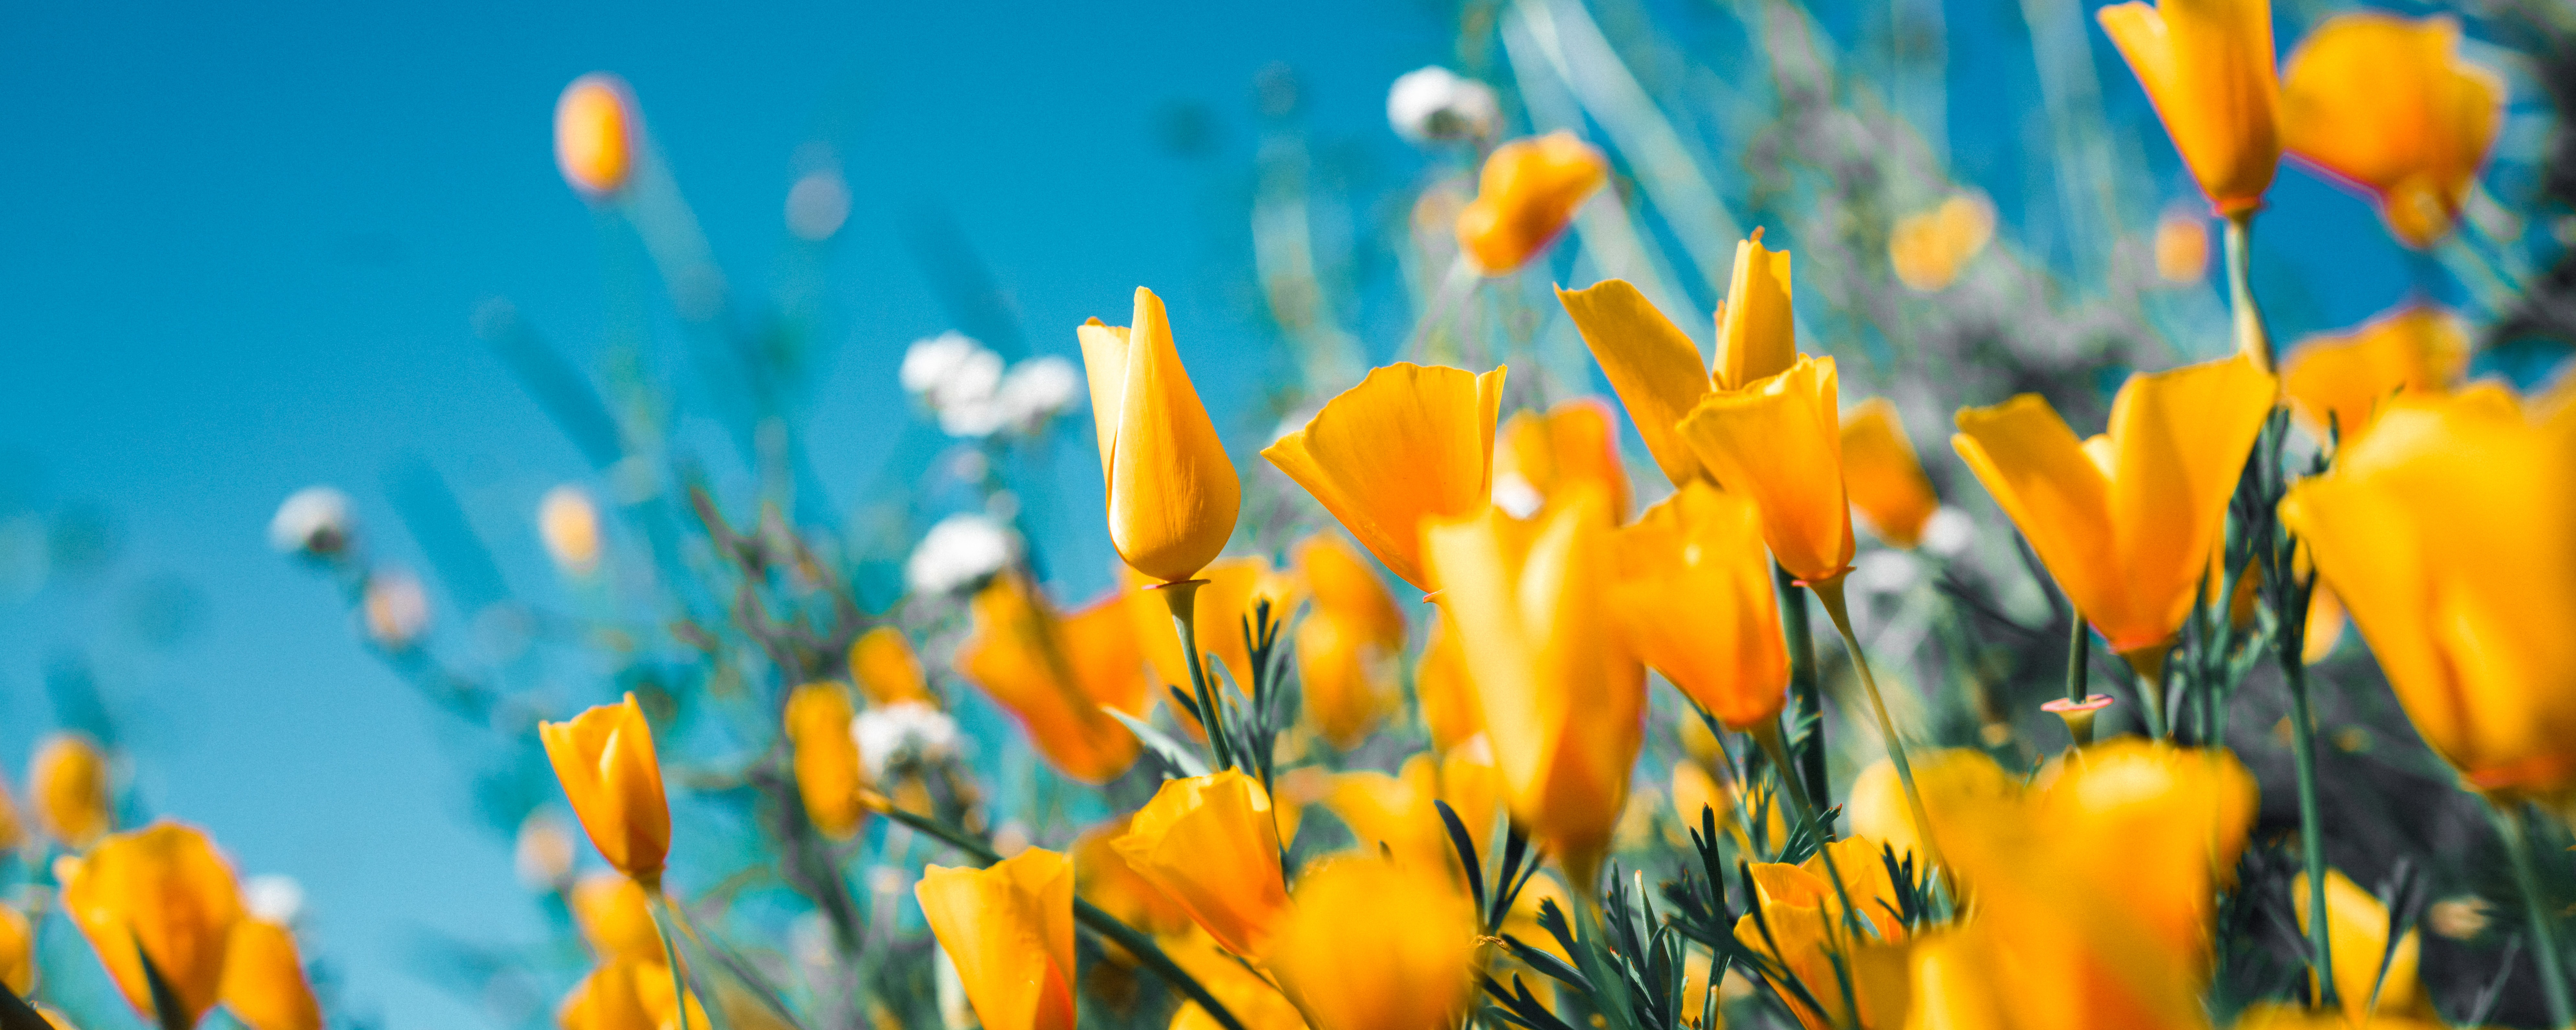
x=1455 y=288
x=1767 y=734
x=1182 y=598
x=2544 y=937
x=2252 y=339
x=2149 y=663
x=1831 y=593
x=1810 y=745
x=2079 y=651
x=659 y=907
x=2312 y=842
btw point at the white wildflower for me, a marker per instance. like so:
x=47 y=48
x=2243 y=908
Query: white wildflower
x=1949 y=532
x=314 y=521
x=275 y=899
x=1036 y=391
x=1435 y=103
x=817 y=205
x=961 y=550
x=890 y=735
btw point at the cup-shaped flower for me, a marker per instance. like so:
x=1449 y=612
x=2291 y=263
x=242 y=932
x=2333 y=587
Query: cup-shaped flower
x=2371 y=978
x=2386 y=103
x=1398 y=811
x=2208 y=67
x=1408 y=444
x=1055 y=674
x=67 y=783
x=2338 y=381
x=1803 y=932
x=1528 y=191
x=17 y=951
x=1172 y=492
x=1563 y=698
x=1212 y=845
x=1779 y=441
x=264 y=984
x=2444 y=532
x=1102 y=877
x=1379 y=945
x=825 y=757
x=1883 y=476
x=596 y=134
x=1540 y=455
x=2126 y=521
x=616 y=917
x=886 y=669
x=1695 y=600
x=1009 y=929
x=604 y=757
x=162 y=892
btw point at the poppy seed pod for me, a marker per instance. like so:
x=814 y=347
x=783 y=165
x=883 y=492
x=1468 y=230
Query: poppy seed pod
x=1172 y=492
x=604 y=758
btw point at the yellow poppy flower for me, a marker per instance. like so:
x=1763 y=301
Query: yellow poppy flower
x=1528 y=191
x=2182 y=246
x=1249 y=995
x=2358 y=926
x=596 y=134
x=1379 y=946
x=161 y=891
x=1348 y=682
x=604 y=758
x=1408 y=444
x=887 y=671
x=1172 y=492
x=68 y=784
x=611 y=997
x=1778 y=440
x=1883 y=476
x=1540 y=454
x=1009 y=929
x=826 y=757
x=1956 y=783
x=1930 y=248
x=1342 y=583
x=264 y=984
x=1211 y=843
x=1398 y=811
x=616 y=917
x=2346 y=377
x=1055 y=674
x=2208 y=66
x=1442 y=687
x=2387 y=104
x=17 y=951
x=1102 y=877
x=1695 y=598
x=1809 y=935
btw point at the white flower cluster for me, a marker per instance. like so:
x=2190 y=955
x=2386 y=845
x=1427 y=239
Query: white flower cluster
x=974 y=396
x=962 y=550
x=889 y=735
x=1435 y=104
x=313 y=521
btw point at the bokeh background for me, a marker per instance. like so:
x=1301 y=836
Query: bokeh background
x=244 y=251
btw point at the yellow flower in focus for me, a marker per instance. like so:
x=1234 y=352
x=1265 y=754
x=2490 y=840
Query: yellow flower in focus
x=825 y=757
x=616 y=918
x=1695 y=600
x=2385 y=103
x=2208 y=66
x=2126 y=521
x=1883 y=475
x=1527 y=193
x=2348 y=376
x=2182 y=246
x=1778 y=440
x=164 y=890
x=1211 y=843
x=887 y=671
x=569 y=525
x=1397 y=811
x=68 y=784
x=1408 y=444
x=1447 y=695
x=1103 y=877
x=1930 y=248
x=17 y=951
x=596 y=134
x=604 y=757
x=1009 y=929
x=1055 y=674
x=1172 y=492
x=1809 y=935
x=1379 y=946
x=2443 y=532
x=264 y=984
x=2358 y=926
x=1562 y=698
x=1576 y=441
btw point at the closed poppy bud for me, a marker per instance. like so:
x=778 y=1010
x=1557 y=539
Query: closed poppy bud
x=2208 y=66
x=1883 y=476
x=1696 y=601
x=17 y=951
x=1379 y=946
x=1442 y=687
x=2385 y=103
x=2371 y=978
x=595 y=134
x=1563 y=699
x=1172 y=492
x=1102 y=877
x=1343 y=583
x=1408 y=444
x=1055 y=674
x=264 y=983
x=2126 y=521
x=616 y=917
x=569 y=525
x=2444 y=532
x=2337 y=382
x=604 y=757
x=1347 y=680
x=1527 y=193
x=887 y=671
x=1212 y=844
x=164 y=890
x=1779 y=441
x=1009 y=929
x=826 y=757
x=68 y=784
x=1541 y=455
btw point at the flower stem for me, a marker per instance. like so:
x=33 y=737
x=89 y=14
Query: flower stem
x=2149 y=663
x=1767 y=734
x=2312 y=843
x=1810 y=746
x=2079 y=650
x=2544 y=936
x=1182 y=597
x=1831 y=593
x=2251 y=338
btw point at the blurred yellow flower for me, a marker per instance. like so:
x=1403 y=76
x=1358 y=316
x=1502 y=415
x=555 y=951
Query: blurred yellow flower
x=616 y=917
x=1055 y=674
x=1172 y=492
x=1379 y=946
x=1576 y=441
x=1343 y=583
x=17 y=951
x=1441 y=685
x=1957 y=783
x=2208 y=66
x=164 y=892
x=1103 y=877
x=1803 y=932
x=67 y=783
x=1528 y=191
x=1211 y=844
x=264 y=984
x=2348 y=376
x=1408 y=444
x=1347 y=680
x=1883 y=475
x=569 y=525
x=1249 y=995
x=2126 y=521
x=1562 y=698
x=1223 y=603
x=825 y=757
x=887 y=671
x=2182 y=246
x=2444 y=533
x=610 y=997
x=596 y=134
x=1695 y=601
x=1009 y=929
x=1397 y=811
x=1930 y=248
x=2358 y=926
x=2387 y=104
x=604 y=758
x=1778 y=440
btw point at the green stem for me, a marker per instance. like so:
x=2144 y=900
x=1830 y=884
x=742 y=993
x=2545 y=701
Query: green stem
x=2079 y=650
x=1182 y=597
x=1830 y=592
x=1809 y=747
x=2251 y=338
x=660 y=910
x=1767 y=734
x=2544 y=935
x=2312 y=843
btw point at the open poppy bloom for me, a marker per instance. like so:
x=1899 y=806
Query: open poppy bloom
x=1528 y=191
x=1009 y=929
x=2386 y=103
x=1409 y=443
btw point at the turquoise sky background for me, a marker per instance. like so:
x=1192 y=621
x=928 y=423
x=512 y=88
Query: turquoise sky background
x=240 y=248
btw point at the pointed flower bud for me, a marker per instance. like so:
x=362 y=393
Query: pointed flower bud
x=604 y=758
x=1172 y=492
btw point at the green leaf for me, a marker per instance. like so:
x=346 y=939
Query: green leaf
x=1170 y=750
